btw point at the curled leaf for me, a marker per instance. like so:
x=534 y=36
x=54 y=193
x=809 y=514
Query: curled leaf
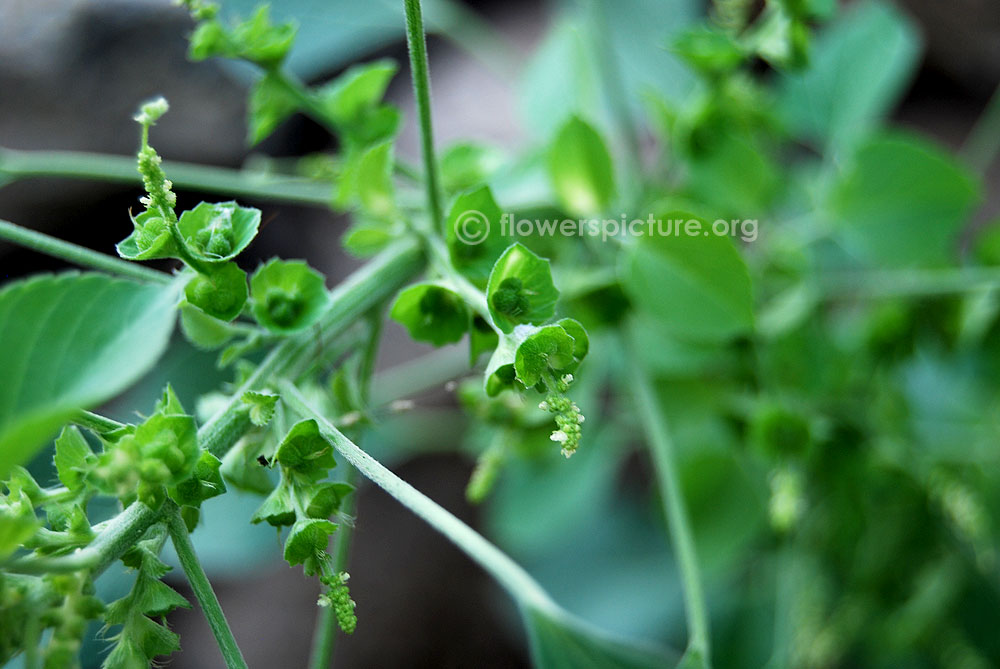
x=288 y=295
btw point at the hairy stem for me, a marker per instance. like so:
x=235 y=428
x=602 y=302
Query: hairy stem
x=506 y=572
x=78 y=255
x=202 y=178
x=203 y=589
x=662 y=448
x=417 y=44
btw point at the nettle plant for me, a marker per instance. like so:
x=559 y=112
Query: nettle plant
x=788 y=370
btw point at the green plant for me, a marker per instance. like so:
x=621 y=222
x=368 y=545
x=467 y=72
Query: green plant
x=775 y=381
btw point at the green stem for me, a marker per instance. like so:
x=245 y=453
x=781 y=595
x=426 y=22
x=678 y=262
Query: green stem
x=661 y=446
x=417 y=44
x=201 y=178
x=907 y=283
x=506 y=572
x=78 y=255
x=325 y=636
x=983 y=143
x=95 y=422
x=203 y=589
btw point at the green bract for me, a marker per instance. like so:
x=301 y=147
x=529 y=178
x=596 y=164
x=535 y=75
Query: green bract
x=307 y=540
x=220 y=294
x=431 y=313
x=287 y=295
x=305 y=451
x=270 y=103
x=151 y=239
x=520 y=289
x=217 y=232
x=351 y=100
x=546 y=352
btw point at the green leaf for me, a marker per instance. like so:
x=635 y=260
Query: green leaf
x=474 y=234
x=520 y=289
x=17 y=525
x=72 y=452
x=376 y=194
x=903 y=201
x=206 y=482
x=560 y=642
x=709 y=49
x=733 y=175
x=352 y=96
x=169 y=440
x=545 y=352
x=270 y=104
x=255 y=39
x=72 y=341
x=216 y=232
x=150 y=239
x=307 y=538
x=288 y=295
x=221 y=294
x=500 y=374
x=364 y=240
x=695 y=286
x=465 y=165
x=431 y=313
x=580 y=168
x=261 y=406
x=860 y=67
x=305 y=450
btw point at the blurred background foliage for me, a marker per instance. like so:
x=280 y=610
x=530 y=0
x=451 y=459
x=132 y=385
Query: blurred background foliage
x=839 y=460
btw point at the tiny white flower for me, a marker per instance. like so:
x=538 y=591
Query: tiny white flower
x=543 y=405
x=559 y=436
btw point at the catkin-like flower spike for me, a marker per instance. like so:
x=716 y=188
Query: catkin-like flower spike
x=160 y=198
x=339 y=598
x=567 y=416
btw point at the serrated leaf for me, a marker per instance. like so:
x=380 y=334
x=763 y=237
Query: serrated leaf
x=325 y=499
x=270 y=103
x=261 y=406
x=71 y=455
x=580 y=168
x=288 y=295
x=695 y=286
x=204 y=483
x=474 y=233
x=520 y=289
x=348 y=98
x=72 y=341
x=903 y=201
x=158 y=599
x=216 y=232
x=431 y=313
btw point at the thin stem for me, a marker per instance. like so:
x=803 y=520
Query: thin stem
x=661 y=446
x=417 y=44
x=201 y=178
x=95 y=422
x=983 y=143
x=78 y=255
x=907 y=283
x=203 y=589
x=506 y=572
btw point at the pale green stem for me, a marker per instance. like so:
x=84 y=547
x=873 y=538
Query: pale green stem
x=906 y=283
x=506 y=572
x=417 y=44
x=78 y=255
x=983 y=143
x=202 y=178
x=662 y=449
x=203 y=589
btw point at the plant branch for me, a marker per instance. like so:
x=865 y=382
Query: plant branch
x=417 y=44
x=661 y=446
x=202 y=588
x=983 y=143
x=202 y=178
x=78 y=255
